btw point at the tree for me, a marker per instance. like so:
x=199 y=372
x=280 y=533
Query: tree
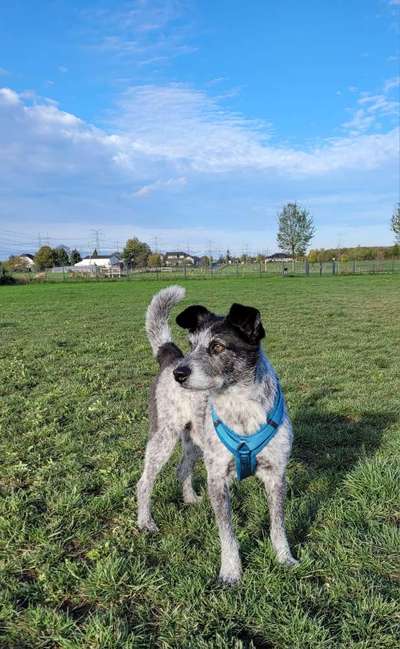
x=154 y=260
x=16 y=263
x=45 y=258
x=313 y=256
x=136 y=253
x=95 y=253
x=5 y=278
x=61 y=257
x=395 y=223
x=296 y=229
x=75 y=257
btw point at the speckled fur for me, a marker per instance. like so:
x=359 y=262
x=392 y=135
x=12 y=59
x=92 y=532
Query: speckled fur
x=241 y=384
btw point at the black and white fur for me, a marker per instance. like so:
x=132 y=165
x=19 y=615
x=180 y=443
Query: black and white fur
x=226 y=367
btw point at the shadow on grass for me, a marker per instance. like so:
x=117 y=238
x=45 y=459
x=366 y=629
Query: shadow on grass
x=328 y=445
x=326 y=448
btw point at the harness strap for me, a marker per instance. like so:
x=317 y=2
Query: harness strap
x=245 y=448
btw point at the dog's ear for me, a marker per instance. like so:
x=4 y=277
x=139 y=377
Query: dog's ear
x=192 y=317
x=247 y=321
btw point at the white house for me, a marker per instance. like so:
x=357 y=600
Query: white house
x=28 y=260
x=179 y=258
x=104 y=262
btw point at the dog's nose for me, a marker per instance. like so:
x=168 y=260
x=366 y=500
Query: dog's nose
x=181 y=373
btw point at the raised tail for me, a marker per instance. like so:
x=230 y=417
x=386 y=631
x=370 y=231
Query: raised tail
x=157 y=326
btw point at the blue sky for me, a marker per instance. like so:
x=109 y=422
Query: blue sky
x=190 y=123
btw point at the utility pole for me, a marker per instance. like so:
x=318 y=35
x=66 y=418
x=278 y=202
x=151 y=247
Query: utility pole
x=97 y=234
x=210 y=249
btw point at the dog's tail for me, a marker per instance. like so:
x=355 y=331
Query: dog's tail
x=157 y=316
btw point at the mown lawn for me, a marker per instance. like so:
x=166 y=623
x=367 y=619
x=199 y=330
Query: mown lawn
x=75 y=369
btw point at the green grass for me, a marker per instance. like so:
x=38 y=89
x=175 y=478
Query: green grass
x=75 y=369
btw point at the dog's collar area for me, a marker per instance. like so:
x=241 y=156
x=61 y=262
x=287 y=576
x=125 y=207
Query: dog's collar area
x=245 y=448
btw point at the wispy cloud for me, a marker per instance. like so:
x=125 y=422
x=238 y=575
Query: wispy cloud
x=169 y=183
x=392 y=83
x=190 y=129
x=145 y=32
x=373 y=108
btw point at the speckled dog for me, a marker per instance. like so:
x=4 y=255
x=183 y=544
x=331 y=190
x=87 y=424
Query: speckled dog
x=227 y=368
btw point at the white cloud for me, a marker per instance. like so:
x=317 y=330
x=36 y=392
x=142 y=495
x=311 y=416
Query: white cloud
x=8 y=96
x=37 y=139
x=161 y=134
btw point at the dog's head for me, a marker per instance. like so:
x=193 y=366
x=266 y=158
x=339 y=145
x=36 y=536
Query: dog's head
x=224 y=350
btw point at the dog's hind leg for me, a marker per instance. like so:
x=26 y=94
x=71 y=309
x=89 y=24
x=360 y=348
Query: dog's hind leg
x=275 y=487
x=191 y=453
x=158 y=451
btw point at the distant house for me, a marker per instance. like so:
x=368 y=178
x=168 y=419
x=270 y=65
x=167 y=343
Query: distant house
x=104 y=262
x=279 y=256
x=28 y=260
x=180 y=258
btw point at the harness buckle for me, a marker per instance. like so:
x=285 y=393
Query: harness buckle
x=243 y=461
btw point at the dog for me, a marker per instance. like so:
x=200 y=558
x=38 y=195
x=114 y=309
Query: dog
x=227 y=372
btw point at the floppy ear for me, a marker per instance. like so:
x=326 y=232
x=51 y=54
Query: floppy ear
x=248 y=321
x=192 y=317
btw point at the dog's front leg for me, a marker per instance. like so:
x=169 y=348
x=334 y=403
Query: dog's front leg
x=231 y=568
x=275 y=487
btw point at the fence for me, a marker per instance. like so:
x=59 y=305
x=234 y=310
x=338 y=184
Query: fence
x=238 y=270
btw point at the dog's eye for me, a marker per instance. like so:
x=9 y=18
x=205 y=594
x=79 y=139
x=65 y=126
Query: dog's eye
x=217 y=348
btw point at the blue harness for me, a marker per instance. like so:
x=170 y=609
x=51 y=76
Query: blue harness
x=246 y=447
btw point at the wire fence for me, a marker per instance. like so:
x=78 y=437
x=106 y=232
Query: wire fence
x=215 y=271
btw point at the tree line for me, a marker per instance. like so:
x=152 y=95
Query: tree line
x=357 y=253
x=45 y=257
x=296 y=229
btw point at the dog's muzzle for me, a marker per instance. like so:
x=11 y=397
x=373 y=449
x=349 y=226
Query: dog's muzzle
x=181 y=373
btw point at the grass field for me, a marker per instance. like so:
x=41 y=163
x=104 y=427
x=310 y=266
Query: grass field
x=75 y=368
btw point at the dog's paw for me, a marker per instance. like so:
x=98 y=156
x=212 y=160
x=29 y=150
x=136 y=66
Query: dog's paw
x=288 y=561
x=192 y=499
x=229 y=579
x=148 y=526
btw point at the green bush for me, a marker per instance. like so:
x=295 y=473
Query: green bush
x=5 y=277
